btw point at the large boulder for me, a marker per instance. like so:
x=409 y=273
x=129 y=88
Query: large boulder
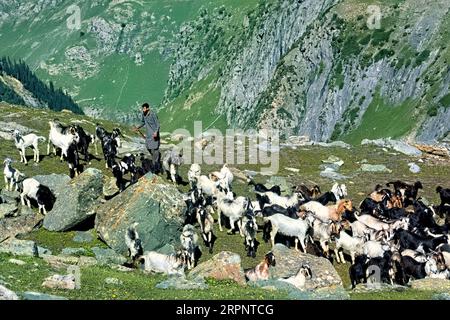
x=57 y=183
x=75 y=202
x=6 y=294
x=397 y=145
x=8 y=209
x=20 y=247
x=223 y=266
x=155 y=207
x=289 y=261
x=24 y=223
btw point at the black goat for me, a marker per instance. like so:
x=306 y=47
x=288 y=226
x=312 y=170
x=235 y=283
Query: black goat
x=384 y=264
x=262 y=188
x=109 y=143
x=412 y=269
x=358 y=271
x=408 y=191
x=444 y=194
x=83 y=143
x=409 y=240
x=73 y=160
x=327 y=197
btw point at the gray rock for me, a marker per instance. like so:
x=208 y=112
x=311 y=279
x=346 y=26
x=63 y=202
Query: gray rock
x=30 y=295
x=19 y=247
x=109 y=187
x=442 y=285
x=24 y=223
x=6 y=294
x=399 y=146
x=441 y=296
x=10 y=196
x=414 y=168
x=334 y=144
x=181 y=283
x=334 y=160
x=289 y=261
x=285 y=186
x=75 y=204
x=83 y=237
x=43 y=251
x=108 y=256
x=113 y=281
x=222 y=266
x=8 y=209
x=73 y=251
x=167 y=249
x=374 y=168
x=156 y=207
x=329 y=173
x=64 y=282
x=17 y=262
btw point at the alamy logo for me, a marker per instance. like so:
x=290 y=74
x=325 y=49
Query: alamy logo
x=374 y=20
x=73 y=22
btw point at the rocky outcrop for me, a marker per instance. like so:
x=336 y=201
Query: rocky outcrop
x=25 y=222
x=156 y=209
x=6 y=294
x=222 y=266
x=75 y=202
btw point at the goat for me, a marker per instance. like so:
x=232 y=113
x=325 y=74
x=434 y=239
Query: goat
x=409 y=240
x=173 y=264
x=445 y=250
x=285 y=202
x=101 y=133
x=260 y=188
x=261 y=271
x=373 y=249
x=133 y=243
x=195 y=171
x=61 y=137
x=12 y=175
x=297 y=228
x=338 y=192
x=273 y=209
x=352 y=245
x=189 y=243
x=171 y=161
x=419 y=257
x=250 y=228
x=299 y=280
x=233 y=209
x=30 y=140
x=225 y=177
x=73 y=160
x=417 y=270
x=444 y=194
x=324 y=213
x=358 y=271
x=408 y=192
x=206 y=223
x=128 y=165
x=307 y=193
x=207 y=186
x=110 y=142
x=83 y=143
x=378 y=225
x=384 y=264
x=32 y=189
x=323 y=232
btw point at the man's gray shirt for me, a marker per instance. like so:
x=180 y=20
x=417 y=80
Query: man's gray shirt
x=151 y=123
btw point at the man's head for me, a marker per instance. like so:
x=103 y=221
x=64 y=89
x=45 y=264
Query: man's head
x=145 y=108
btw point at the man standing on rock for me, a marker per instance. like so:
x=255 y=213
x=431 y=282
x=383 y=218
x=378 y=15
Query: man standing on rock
x=152 y=139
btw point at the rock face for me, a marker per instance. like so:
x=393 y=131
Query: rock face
x=75 y=201
x=223 y=266
x=156 y=207
x=7 y=209
x=399 y=146
x=431 y=284
x=6 y=294
x=288 y=262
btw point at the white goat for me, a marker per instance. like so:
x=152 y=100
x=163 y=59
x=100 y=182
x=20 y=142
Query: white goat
x=30 y=140
x=373 y=249
x=171 y=162
x=233 y=209
x=323 y=232
x=60 y=139
x=32 y=189
x=282 y=201
x=225 y=177
x=419 y=257
x=189 y=243
x=339 y=191
x=349 y=244
x=297 y=228
x=194 y=173
x=378 y=225
x=299 y=280
x=325 y=213
x=12 y=176
x=161 y=263
x=207 y=186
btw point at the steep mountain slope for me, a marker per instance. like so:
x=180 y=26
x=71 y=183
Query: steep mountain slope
x=316 y=67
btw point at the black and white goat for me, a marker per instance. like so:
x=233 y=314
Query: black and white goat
x=195 y=171
x=32 y=189
x=260 y=188
x=233 y=209
x=110 y=143
x=28 y=141
x=189 y=244
x=261 y=271
x=12 y=175
x=444 y=195
x=126 y=165
x=338 y=192
x=73 y=160
x=206 y=223
x=250 y=229
x=173 y=264
x=83 y=143
x=133 y=242
x=299 y=280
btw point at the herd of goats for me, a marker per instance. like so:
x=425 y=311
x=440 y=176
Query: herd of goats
x=392 y=230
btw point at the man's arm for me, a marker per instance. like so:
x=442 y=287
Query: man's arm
x=155 y=122
x=141 y=125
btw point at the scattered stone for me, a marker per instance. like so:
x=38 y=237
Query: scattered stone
x=83 y=237
x=108 y=256
x=60 y=261
x=113 y=281
x=295 y=170
x=17 y=262
x=73 y=251
x=414 y=168
x=29 y=295
x=66 y=282
x=43 y=251
x=431 y=284
x=19 y=247
x=157 y=208
x=8 y=209
x=334 y=144
x=334 y=160
x=330 y=173
x=397 y=145
x=75 y=204
x=374 y=168
x=6 y=294
x=222 y=266
x=181 y=283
